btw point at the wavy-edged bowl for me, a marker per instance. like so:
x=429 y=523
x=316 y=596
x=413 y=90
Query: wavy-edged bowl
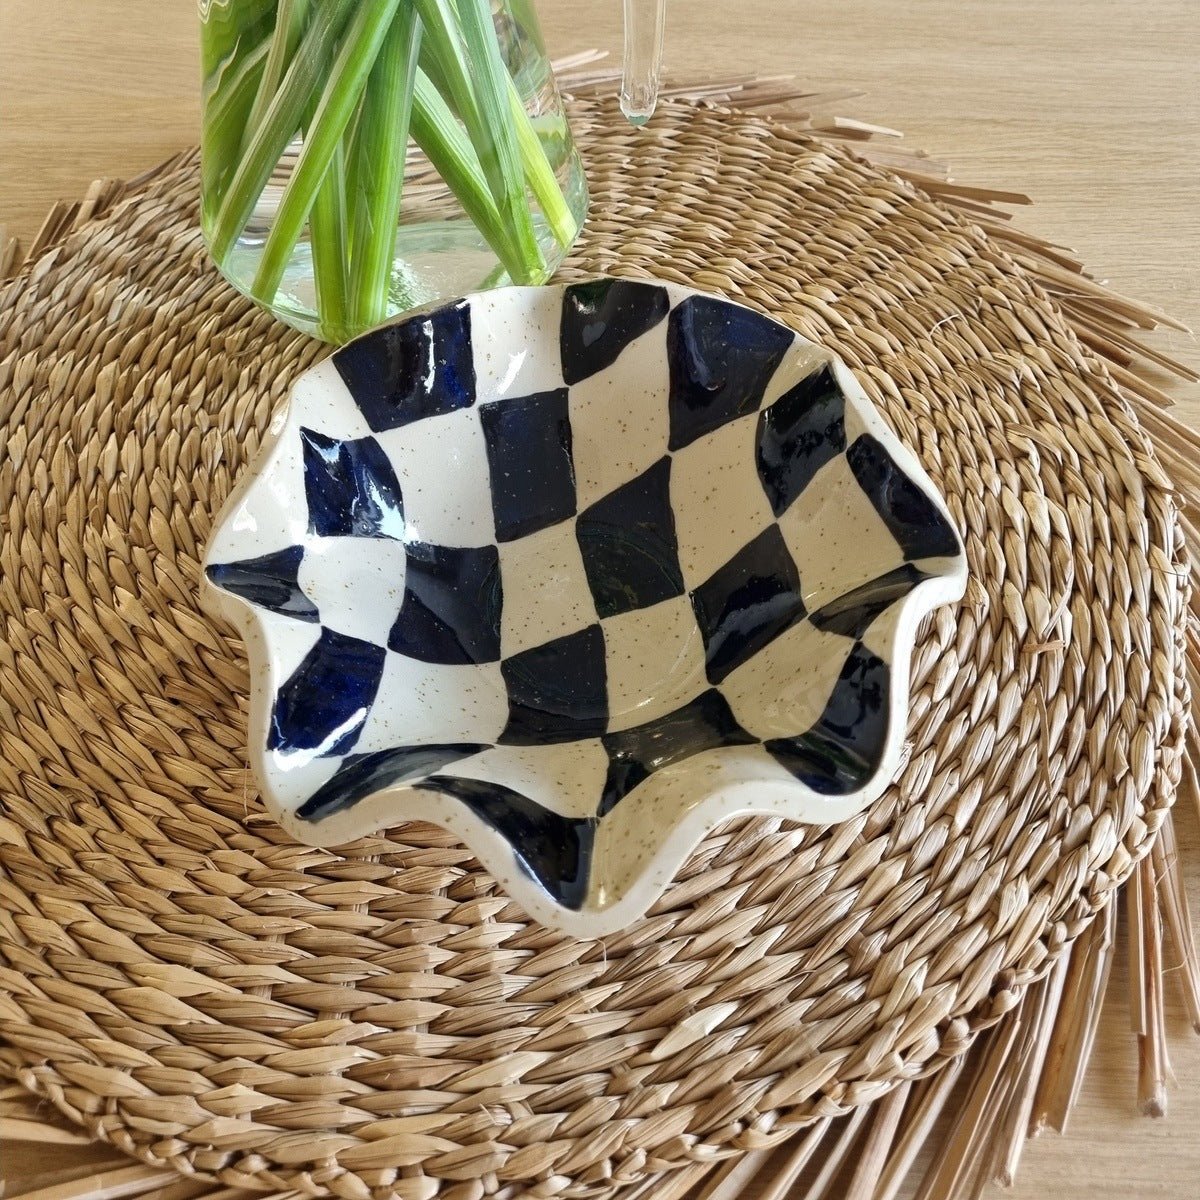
x=579 y=572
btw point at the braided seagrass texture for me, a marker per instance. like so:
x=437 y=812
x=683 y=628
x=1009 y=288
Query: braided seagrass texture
x=184 y=982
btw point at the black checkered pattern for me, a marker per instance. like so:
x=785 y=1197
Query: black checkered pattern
x=607 y=568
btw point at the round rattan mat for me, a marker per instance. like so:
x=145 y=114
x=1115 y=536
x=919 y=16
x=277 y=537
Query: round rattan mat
x=187 y=984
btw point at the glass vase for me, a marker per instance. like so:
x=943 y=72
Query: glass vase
x=364 y=157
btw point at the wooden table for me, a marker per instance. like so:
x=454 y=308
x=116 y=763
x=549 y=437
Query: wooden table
x=1091 y=106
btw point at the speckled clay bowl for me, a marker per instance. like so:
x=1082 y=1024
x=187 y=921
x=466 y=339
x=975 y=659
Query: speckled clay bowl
x=579 y=573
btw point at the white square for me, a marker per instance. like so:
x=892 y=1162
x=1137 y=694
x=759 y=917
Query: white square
x=719 y=503
x=322 y=402
x=655 y=662
x=290 y=642
x=357 y=584
x=290 y=780
x=268 y=511
x=802 y=360
x=514 y=339
x=784 y=688
x=546 y=592
x=862 y=415
x=420 y=703
x=442 y=467
x=880 y=638
x=620 y=424
x=837 y=538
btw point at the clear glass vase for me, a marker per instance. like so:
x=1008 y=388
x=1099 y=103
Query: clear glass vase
x=363 y=157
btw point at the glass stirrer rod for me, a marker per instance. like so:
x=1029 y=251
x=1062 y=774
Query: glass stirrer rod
x=644 y=24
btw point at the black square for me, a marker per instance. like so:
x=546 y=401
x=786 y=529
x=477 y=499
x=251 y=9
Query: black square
x=746 y=604
x=529 y=456
x=363 y=775
x=600 y=318
x=627 y=540
x=912 y=517
x=705 y=723
x=351 y=488
x=270 y=581
x=557 y=692
x=841 y=752
x=323 y=705
x=554 y=851
x=853 y=613
x=453 y=599
x=722 y=357
x=802 y=431
x=418 y=368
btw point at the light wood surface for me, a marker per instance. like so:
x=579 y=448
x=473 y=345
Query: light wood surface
x=1090 y=106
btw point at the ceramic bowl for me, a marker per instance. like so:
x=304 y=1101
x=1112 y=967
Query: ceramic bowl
x=579 y=573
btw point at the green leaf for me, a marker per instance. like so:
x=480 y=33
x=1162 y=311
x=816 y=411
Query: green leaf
x=227 y=96
x=290 y=19
x=230 y=29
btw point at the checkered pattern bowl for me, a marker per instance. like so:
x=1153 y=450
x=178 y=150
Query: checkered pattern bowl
x=579 y=573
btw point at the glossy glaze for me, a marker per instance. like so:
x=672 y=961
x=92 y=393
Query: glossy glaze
x=579 y=572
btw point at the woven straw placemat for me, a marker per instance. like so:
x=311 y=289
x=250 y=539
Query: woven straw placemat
x=183 y=982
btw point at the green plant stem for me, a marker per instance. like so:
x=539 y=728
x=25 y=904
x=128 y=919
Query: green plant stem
x=327 y=236
x=539 y=174
x=377 y=168
x=264 y=146
x=347 y=78
x=290 y=19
